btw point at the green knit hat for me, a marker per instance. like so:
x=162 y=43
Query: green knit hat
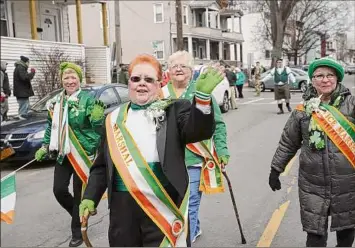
x=328 y=62
x=65 y=65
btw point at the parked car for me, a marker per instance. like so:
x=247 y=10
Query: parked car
x=302 y=81
x=25 y=136
x=350 y=69
x=221 y=93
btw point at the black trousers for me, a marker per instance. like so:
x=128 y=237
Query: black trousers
x=129 y=224
x=240 y=91
x=62 y=175
x=345 y=238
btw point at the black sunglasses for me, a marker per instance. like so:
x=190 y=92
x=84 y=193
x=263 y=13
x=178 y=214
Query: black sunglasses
x=137 y=79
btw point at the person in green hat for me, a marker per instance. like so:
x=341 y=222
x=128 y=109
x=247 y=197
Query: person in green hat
x=73 y=134
x=323 y=127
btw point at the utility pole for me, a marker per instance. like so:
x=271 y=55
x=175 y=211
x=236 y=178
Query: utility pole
x=118 y=35
x=179 y=33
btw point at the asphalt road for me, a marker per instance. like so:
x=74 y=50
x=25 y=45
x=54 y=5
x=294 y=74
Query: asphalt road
x=268 y=218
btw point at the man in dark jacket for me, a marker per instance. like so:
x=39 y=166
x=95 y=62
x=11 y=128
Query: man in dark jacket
x=5 y=91
x=232 y=78
x=22 y=85
x=323 y=127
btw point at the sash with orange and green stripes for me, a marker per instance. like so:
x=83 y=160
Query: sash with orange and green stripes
x=211 y=175
x=142 y=184
x=338 y=128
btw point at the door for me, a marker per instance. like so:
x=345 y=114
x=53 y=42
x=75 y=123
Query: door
x=49 y=26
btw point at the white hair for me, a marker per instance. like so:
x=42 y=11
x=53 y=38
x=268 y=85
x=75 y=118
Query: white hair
x=181 y=54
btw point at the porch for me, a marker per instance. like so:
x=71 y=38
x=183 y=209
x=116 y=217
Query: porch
x=205 y=50
x=45 y=20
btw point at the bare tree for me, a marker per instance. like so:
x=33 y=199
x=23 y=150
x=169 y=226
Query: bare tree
x=275 y=16
x=48 y=68
x=294 y=27
x=309 y=20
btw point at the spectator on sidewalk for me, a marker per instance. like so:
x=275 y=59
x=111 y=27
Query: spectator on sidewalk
x=123 y=75
x=22 y=85
x=240 y=82
x=232 y=78
x=5 y=91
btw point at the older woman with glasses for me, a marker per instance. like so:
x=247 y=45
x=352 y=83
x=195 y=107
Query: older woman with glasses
x=323 y=128
x=203 y=157
x=141 y=159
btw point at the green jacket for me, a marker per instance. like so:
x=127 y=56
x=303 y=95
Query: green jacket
x=219 y=136
x=87 y=131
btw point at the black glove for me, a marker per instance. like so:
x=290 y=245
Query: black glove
x=274 y=180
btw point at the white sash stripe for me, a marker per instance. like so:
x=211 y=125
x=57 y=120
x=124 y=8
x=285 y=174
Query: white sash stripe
x=79 y=160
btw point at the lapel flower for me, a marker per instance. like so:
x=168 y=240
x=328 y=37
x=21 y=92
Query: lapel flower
x=156 y=111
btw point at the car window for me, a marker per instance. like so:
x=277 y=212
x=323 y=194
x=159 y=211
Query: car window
x=123 y=93
x=300 y=72
x=41 y=105
x=109 y=97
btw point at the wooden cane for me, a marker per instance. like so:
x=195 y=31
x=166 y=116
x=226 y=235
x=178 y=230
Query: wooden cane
x=84 y=228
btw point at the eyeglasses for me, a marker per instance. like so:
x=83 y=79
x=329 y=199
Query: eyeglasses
x=320 y=77
x=182 y=67
x=137 y=79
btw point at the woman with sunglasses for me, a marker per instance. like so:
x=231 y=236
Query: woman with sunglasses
x=142 y=159
x=323 y=127
x=73 y=134
x=198 y=161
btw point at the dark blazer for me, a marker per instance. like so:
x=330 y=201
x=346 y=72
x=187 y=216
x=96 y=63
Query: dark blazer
x=184 y=124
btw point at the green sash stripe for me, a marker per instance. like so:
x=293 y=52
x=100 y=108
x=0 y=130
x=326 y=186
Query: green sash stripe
x=141 y=165
x=341 y=119
x=171 y=90
x=79 y=148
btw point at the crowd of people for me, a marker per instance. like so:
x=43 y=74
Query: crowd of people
x=157 y=154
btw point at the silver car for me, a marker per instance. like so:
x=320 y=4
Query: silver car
x=302 y=81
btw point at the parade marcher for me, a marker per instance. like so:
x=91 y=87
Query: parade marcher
x=256 y=72
x=197 y=161
x=22 y=85
x=75 y=121
x=232 y=78
x=141 y=159
x=240 y=82
x=5 y=91
x=282 y=76
x=323 y=128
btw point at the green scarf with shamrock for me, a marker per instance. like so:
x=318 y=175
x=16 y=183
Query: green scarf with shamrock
x=316 y=134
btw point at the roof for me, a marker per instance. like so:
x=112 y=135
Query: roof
x=230 y=12
x=202 y=4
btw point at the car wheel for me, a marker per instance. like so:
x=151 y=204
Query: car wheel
x=262 y=87
x=303 y=86
x=225 y=105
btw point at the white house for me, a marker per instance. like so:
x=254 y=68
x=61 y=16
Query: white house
x=43 y=25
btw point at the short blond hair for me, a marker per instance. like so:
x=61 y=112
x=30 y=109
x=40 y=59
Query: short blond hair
x=184 y=54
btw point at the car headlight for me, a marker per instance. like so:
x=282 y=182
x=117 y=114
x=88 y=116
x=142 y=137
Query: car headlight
x=39 y=135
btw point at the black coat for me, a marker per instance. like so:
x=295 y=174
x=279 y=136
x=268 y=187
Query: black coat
x=184 y=124
x=22 y=81
x=326 y=178
x=6 y=84
x=232 y=78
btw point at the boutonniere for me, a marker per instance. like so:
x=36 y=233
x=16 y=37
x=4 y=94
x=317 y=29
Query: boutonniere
x=312 y=105
x=156 y=111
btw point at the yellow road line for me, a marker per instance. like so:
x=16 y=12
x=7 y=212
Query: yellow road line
x=273 y=225
x=289 y=166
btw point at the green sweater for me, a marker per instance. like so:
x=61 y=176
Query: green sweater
x=87 y=131
x=219 y=136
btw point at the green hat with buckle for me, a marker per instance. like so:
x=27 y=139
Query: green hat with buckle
x=327 y=62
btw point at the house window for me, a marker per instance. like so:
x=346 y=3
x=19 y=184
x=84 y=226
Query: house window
x=107 y=20
x=4 y=29
x=186 y=16
x=329 y=45
x=194 y=49
x=158 y=13
x=158 y=48
x=267 y=54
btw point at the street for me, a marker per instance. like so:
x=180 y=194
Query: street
x=268 y=218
